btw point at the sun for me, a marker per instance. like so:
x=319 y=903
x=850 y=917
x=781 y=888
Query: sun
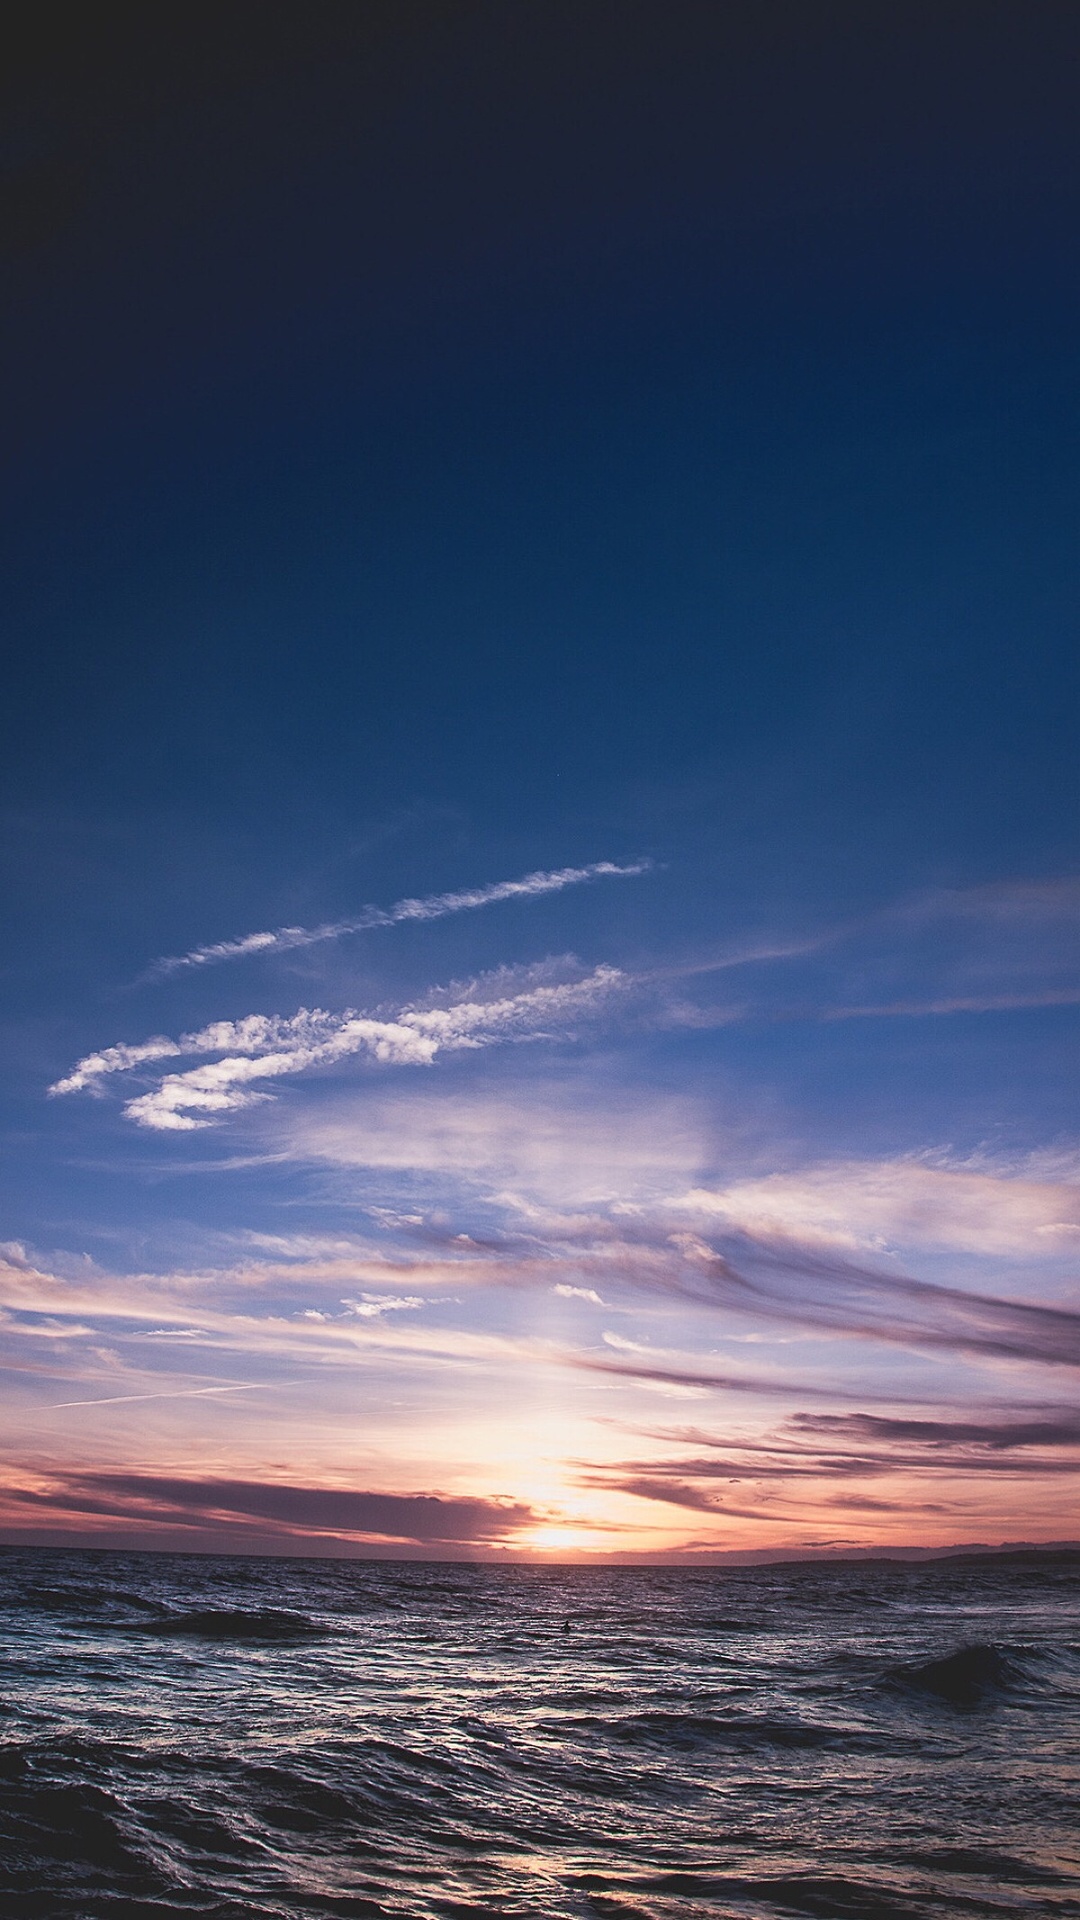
x=557 y=1539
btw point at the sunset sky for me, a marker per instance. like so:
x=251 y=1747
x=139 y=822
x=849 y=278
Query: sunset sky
x=540 y=987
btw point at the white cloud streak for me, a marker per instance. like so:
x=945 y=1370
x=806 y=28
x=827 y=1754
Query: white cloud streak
x=264 y=1047
x=370 y=1306
x=434 y=906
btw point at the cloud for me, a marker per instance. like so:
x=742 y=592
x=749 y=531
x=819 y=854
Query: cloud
x=265 y=1047
x=959 y=1003
x=418 y=1517
x=655 y=1481
x=91 y=1070
x=997 y=1435
x=807 y=1286
x=1001 y=948
x=1016 y=903
x=744 y=1274
x=174 y=1333
x=677 y=1493
x=454 y=1387
x=668 y=1373
x=551 y=1144
x=991 y=949
x=977 y=950
x=811 y=1450
x=907 y=1202
x=760 y=1278
x=578 y=1293
x=371 y=1305
x=434 y=906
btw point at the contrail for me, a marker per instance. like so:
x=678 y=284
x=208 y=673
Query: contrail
x=434 y=906
x=181 y=1393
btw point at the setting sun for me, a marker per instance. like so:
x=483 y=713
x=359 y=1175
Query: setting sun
x=559 y=1540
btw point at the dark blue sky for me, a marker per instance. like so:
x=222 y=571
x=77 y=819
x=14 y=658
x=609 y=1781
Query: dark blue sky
x=446 y=442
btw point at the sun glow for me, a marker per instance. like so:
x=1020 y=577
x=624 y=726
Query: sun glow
x=558 y=1539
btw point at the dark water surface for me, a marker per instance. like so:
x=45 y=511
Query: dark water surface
x=250 y=1738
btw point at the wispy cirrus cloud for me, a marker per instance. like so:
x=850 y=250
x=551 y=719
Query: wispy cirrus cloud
x=263 y=1047
x=1014 y=940
x=1008 y=947
x=1020 y=903
x=579 y=1205
x=916 y=1009
x=433 y=906
x=808 y=1286
x=576 y=1144
x=1004 y=947
x=172 y=1393
x=741 y=1281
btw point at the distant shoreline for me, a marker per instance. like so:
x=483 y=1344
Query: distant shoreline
x=1023 y=1553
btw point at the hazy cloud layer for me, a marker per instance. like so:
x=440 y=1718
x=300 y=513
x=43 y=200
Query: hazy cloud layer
x=909 y=1202
x=666 y=1256
x=811 y=1248
x=554 y=1143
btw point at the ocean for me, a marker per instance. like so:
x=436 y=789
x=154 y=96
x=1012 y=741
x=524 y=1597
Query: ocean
x=247 y=1738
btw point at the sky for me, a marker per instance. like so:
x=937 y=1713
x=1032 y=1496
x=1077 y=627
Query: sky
x=539 y=778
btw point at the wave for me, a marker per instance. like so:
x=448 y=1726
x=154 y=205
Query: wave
x=969 y=1677
x=70 y=1818
x=115 y=1607
x=819 y=1896
x=721 y=1623
x=235 y=1623
x=687 y=1732
x=73 y=1849
x=1004 y=1868
x=86 y=1600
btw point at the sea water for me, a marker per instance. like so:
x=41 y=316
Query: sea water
x=247 y=1738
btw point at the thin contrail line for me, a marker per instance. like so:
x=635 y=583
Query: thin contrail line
x=181 y=1393
x=434 y=906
